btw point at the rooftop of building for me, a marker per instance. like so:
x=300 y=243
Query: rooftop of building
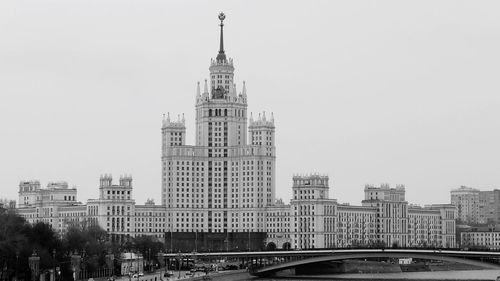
x=464 y=188
x=385 y=186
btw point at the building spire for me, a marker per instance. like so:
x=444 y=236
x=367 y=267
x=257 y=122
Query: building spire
x=221 y=56
x=244 y=89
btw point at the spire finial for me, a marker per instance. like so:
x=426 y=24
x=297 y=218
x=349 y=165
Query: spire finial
x=244 y=91
x=205 y=89
x=221 y=56
x=198 y=89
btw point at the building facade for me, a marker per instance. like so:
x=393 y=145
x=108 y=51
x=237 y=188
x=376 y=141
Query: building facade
x=313 y=214
x=476 y=207
x=481 y=238
x=115 y=211
x=391 y=212
x=224 y=182
x=385 y=219
x=278 y=232
x=55 y=205
x=466 y=199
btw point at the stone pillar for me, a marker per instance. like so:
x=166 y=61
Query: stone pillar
x=34 y=264
x=75 y=265
x=110 y=263
x=52 y=274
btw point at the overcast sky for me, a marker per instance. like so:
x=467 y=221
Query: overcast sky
x=374 y=92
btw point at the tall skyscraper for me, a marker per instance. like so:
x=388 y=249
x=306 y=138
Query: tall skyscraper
x=224 y=182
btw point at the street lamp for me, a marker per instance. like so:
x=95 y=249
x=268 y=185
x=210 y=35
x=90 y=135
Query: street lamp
x=179 y=256
x=54 y=265
x=17 y=263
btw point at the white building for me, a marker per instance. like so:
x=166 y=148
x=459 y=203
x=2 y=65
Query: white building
x=55 y=205
x=150 y=219
x=313 y=214
x=115 y=210
x=392 y=213
x=356 y=226
x=226 y=180
x=220 y=192
x=481 y=238
x=384 y=220
x=278 y=218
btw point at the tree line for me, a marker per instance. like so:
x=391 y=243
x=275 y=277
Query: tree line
x=19 y=240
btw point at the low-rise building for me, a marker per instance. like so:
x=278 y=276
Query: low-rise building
x=480 y=238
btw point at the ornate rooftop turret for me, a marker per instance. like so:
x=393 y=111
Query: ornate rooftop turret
x=180 y=123
x=261 y=121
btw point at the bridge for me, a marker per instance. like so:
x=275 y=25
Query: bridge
x=487 y=260
x=267 y=263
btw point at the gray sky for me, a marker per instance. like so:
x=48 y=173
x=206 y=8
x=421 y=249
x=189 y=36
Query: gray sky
x=364 y=91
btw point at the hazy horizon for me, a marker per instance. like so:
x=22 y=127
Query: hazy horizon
x=366 y=92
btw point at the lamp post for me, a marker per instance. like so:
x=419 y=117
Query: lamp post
x=54 y=265
x=17 y=263
x=84 y=264
x=179 y=256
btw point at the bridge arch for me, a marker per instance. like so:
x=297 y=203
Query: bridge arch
x=269 y=270
x=271 y=246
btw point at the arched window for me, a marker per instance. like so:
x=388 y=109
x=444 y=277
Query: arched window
x=225 y=112
x=210 y=113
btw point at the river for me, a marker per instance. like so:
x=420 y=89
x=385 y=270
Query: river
x=486 y=274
